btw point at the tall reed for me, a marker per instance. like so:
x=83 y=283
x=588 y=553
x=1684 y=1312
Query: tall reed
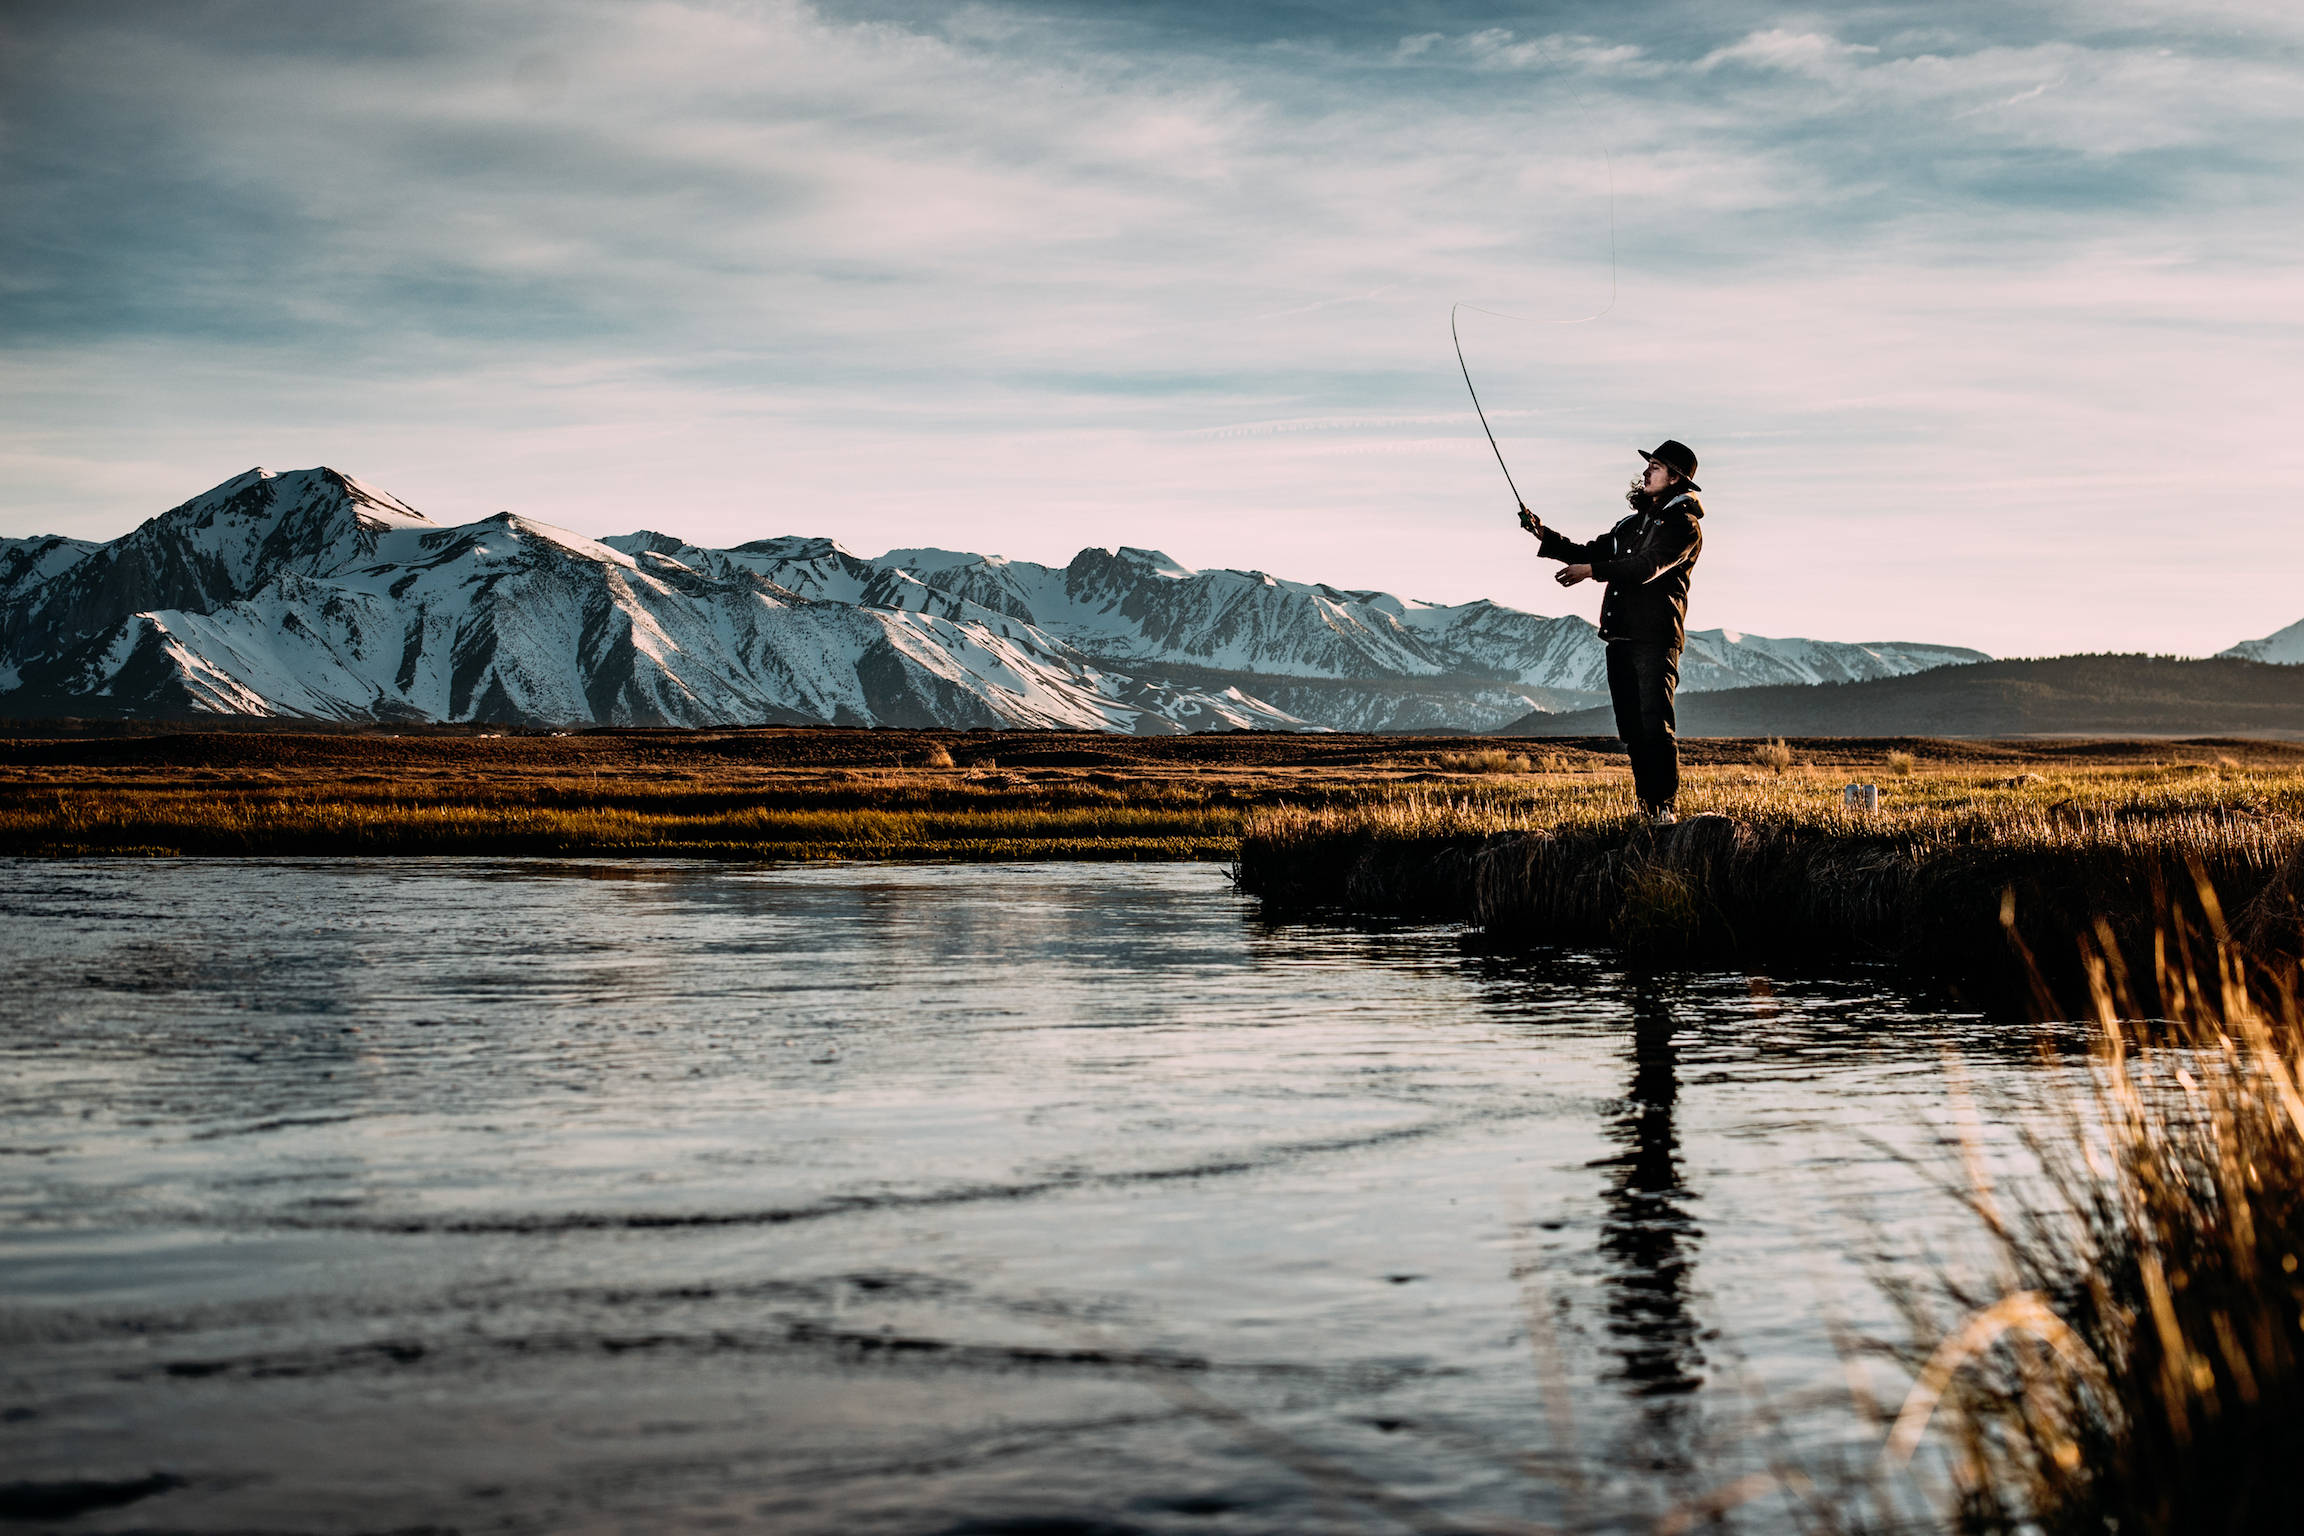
x=2138 y=1366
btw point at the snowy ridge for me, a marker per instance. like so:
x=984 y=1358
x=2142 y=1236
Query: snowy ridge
x=1139 y=607
x=308 y=594
x=2284 y=647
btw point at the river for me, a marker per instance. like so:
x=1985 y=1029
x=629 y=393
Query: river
x=1055 y=1198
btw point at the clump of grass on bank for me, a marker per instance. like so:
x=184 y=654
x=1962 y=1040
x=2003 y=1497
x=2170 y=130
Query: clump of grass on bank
x=1490 y=760
x=1774 y=870
x=2140 y=1366
x=1773 y=755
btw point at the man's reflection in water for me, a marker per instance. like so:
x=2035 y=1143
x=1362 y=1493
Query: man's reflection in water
x=1648 y=1240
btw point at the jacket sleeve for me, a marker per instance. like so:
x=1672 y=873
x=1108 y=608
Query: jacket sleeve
x=1553 y=546
x=1671 y=541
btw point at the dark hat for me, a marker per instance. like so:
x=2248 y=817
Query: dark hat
x=1677 y=457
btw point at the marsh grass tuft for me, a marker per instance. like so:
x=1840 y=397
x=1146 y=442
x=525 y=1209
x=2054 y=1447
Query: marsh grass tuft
x=1900 y=764
x=1486 y=760
x=1773 y=755
x=2137 y=1365
x=936 y=756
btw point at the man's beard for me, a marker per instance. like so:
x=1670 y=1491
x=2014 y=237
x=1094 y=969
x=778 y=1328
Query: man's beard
x=1640 y=499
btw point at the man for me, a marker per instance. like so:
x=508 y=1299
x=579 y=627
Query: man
x=1646 y=560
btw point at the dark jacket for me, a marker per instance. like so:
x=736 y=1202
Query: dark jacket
x=1645 y=560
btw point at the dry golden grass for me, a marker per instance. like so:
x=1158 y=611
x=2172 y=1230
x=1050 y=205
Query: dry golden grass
x=779 y=794
x=1767 y=868
x=1773 y=755
x=975 y=821
x=1488 y=760
x=827 y=793
x=2160 y=800
x=2136 y=1363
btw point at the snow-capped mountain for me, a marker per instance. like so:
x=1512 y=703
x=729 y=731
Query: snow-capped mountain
x=2285 y=646
x=308 y=594
x=1137 y=607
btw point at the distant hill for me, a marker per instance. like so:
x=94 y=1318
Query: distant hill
x=2094 y=695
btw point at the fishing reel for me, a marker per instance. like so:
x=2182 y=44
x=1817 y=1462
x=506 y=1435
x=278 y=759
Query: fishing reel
x=1530 y=522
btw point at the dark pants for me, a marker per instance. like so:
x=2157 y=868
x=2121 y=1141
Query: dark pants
x=1641 y=680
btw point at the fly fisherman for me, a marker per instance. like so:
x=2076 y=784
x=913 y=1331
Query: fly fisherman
x=1646 y=560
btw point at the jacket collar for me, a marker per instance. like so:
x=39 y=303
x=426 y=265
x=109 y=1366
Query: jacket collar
x=1695 y=507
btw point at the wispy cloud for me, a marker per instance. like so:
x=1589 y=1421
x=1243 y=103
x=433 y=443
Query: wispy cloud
x=1039 y=275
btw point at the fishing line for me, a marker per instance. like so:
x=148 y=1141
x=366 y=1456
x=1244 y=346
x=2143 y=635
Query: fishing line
x=1609 y=163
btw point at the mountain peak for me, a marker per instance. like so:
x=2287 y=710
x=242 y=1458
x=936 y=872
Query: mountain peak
x=262 y=492
x=795 y=546
x=1155 y=562
x=2282 y=645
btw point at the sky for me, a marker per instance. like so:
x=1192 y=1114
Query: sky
x=1985 y=319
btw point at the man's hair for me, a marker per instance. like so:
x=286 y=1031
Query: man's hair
x=1639 y=498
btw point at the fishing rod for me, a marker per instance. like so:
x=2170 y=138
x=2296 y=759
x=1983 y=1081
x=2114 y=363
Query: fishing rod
x=1527 y=518
x=1517 y=498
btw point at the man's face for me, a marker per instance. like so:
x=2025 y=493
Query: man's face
x=1656 y=480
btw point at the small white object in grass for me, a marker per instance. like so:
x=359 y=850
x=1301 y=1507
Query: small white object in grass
x=1861 y=797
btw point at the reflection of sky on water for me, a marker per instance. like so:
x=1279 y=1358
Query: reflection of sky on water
x=867 y=1198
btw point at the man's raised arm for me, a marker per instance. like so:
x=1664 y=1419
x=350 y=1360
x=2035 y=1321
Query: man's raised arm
x=1553 y=546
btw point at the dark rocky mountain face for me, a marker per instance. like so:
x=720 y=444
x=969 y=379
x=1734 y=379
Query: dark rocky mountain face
x=309 y=594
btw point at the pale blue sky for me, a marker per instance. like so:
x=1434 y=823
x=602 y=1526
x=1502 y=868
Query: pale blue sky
x=1985 y=319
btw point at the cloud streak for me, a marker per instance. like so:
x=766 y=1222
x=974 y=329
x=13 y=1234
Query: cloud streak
x=1030 y=277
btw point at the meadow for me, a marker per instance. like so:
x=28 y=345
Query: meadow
x=829 y=793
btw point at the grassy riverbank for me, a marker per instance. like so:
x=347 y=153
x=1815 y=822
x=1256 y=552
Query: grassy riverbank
x=1766 y=868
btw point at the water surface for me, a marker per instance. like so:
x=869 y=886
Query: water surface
x=504 y=1196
